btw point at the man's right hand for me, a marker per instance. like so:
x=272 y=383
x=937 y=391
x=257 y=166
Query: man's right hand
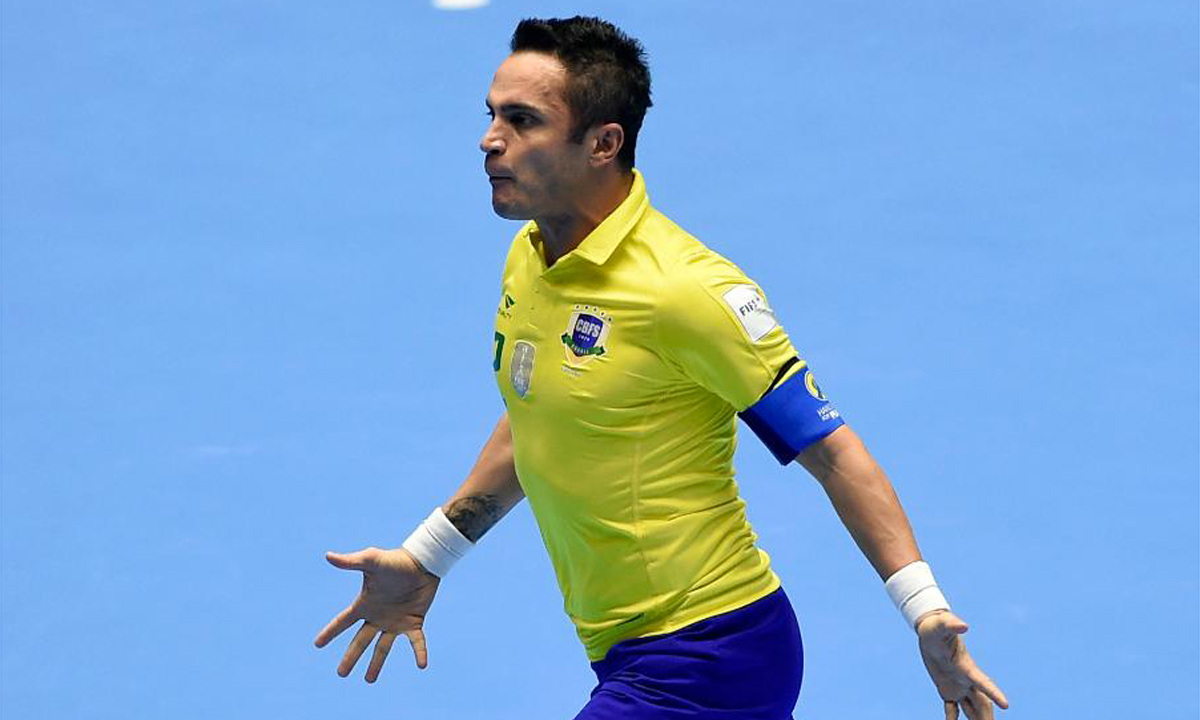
x=396 y=594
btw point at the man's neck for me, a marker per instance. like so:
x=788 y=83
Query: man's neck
x=562 y=233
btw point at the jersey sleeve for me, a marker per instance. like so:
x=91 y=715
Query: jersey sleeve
x=717 y=327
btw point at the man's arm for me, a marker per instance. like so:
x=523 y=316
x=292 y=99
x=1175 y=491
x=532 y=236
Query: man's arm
x=864 y=499
x=491 y=488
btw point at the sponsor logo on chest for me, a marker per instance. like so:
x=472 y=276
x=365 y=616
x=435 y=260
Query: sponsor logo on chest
x=504 y=309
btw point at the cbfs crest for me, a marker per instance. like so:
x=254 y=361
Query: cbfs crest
x=586 y=334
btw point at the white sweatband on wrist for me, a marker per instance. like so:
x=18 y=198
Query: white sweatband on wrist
x=914 y=591
x=437 y=544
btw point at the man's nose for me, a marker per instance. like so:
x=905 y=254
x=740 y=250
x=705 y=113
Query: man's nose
x=491 y=143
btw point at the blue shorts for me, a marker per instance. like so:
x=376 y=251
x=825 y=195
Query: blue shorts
x=741 y=665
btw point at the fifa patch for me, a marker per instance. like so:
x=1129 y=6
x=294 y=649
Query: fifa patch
x=520 y=372
x=751 y=310
x=587 y=331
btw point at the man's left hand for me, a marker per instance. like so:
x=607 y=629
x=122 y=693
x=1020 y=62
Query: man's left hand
x=959 y=680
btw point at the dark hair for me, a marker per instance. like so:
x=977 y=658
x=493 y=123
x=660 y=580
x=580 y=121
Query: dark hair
x=607 y=76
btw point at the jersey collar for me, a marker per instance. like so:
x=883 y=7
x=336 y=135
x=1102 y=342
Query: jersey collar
x=600 y=243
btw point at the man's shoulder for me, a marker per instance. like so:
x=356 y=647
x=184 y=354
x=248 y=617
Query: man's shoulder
x=683 y=257
x=674 y=247
x=685 y=278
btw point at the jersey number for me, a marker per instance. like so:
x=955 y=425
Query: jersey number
x=499 y=349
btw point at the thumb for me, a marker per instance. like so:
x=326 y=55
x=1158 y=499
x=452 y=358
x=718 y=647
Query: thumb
x=952 y=623
x=361 y=560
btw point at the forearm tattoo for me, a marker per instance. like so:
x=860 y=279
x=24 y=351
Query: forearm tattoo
x=474 y=515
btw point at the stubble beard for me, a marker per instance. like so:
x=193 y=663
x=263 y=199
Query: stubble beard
x=509 y=210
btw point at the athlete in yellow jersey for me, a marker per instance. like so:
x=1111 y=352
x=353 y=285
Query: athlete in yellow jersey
x=624 y=350
x=622 y=366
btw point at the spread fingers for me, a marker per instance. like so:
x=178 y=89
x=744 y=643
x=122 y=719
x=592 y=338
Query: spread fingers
x=361 y=640
x=382 y=647
x=417 y=639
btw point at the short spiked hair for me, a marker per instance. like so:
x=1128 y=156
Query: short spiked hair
x=607 y=76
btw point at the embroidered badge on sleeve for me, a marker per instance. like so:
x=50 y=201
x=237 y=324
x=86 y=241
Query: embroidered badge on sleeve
x=751 y=310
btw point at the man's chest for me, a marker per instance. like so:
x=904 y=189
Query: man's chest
x=585 y=348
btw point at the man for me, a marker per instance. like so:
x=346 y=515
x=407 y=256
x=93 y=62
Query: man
x=623 y=349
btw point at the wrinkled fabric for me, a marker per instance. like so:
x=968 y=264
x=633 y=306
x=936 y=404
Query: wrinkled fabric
x=742 y=665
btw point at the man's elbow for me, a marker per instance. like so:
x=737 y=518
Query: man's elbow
x=822 y=458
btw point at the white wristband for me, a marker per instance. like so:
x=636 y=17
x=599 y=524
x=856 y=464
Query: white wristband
x=914 y=592
x=437 y=544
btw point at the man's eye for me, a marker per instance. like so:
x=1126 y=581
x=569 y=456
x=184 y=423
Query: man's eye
x=515 y=120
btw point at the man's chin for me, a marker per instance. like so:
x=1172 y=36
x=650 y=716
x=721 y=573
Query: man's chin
x=509 y=211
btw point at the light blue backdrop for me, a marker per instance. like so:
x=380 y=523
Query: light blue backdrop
x=248 y=271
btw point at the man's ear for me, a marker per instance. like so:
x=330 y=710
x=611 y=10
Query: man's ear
x=606 y=142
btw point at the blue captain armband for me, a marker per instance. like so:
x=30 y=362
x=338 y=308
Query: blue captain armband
x=792 y=416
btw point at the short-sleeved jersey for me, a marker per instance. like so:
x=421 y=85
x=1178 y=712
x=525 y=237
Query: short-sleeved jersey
x=622 y=367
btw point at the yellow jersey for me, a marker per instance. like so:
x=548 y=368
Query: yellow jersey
x=622 y=367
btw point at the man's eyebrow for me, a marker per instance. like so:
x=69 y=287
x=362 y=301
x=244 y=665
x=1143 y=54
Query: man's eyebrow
x=515 y=107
